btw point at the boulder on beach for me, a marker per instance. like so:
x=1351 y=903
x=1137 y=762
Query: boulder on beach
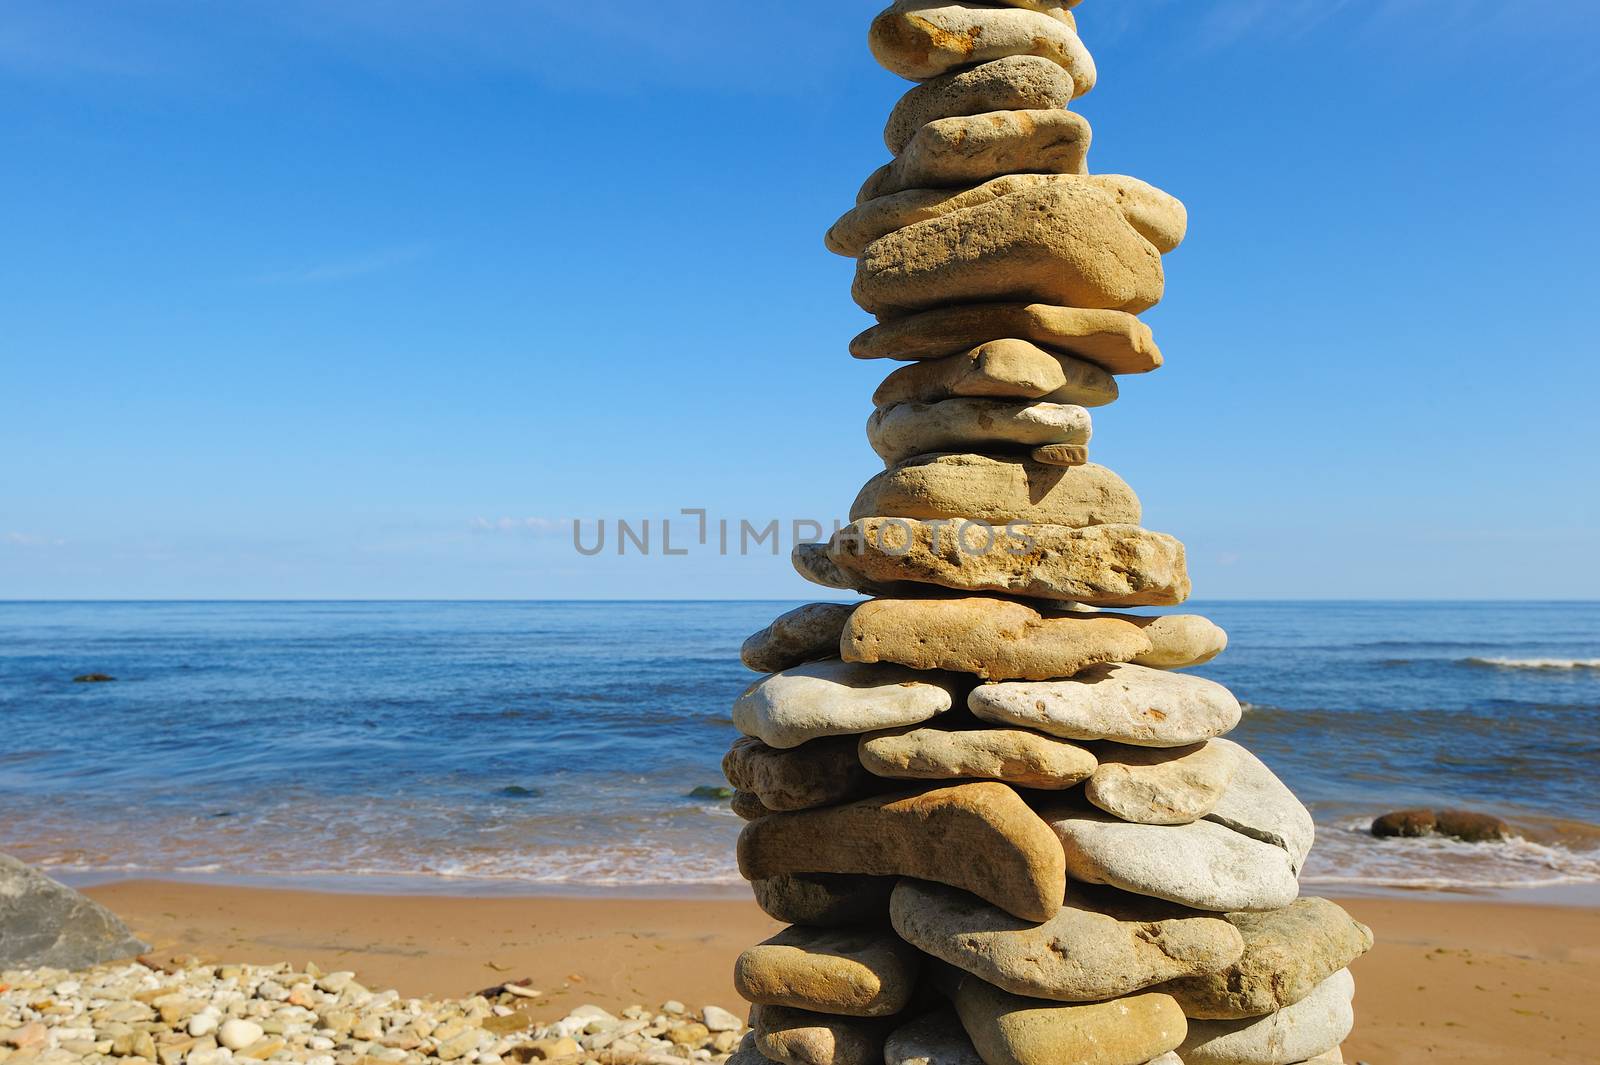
x=1459 y=824
x=44 y=923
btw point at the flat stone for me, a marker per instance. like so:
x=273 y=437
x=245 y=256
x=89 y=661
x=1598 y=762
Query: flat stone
x=800 y=1037
x=1125 y=703
x=1061 y=454
x=1161 y=785
x=1103 y=944
x=1101 y=565
x=970 y=149
x=811 y=561
x=1287 y=954
x=1201 y=865
x=1113 y=340
x=1257 y=804
x=834 y=698
x=922 y=39
x=1010 y=1029
x=1018 y=757
x=996 y=639
x=932 y=1039
x=1000 y=369
x=1156 y=216
x=904 y=430
x=1065 y=244
x=1008 y=855
x=44 y=924
x=1013 y=83
x=1179 y=641
x=804 y=634
x=818 y=773
x=857 y=972
x=825 y=900
x=1314 y=1026
x=998 y=490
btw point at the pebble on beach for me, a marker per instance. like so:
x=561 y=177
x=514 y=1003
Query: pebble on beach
x=196 y=1014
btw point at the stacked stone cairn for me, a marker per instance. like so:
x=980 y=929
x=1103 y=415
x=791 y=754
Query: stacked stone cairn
x=1002 y=822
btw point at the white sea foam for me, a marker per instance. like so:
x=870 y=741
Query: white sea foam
x=1348 y=854
x=1535 y=663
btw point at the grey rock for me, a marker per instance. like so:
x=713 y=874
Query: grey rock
x=1311 y=1027
x=1127 y=703
x=1201 y=865
x=933 y=1039
x=817 y=773
x=1257 y=804
x=834 y=698
x=47 y=924
x=804 y=634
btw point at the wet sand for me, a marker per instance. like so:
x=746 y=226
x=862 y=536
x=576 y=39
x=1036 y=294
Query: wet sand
x=1450 y=981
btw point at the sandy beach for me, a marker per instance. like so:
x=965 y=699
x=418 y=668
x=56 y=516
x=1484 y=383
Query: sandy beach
x=1450 y=981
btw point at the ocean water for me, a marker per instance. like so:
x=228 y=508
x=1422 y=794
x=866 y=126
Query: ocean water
x=548 y=745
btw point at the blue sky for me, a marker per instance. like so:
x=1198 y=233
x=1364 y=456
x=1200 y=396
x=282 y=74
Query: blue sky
x=364 y=299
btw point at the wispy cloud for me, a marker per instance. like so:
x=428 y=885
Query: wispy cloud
x=347 y=269
x=22 y=539
x=535 y=526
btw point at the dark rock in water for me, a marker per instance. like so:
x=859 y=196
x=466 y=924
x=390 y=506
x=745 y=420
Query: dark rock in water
x=92 y=678
x=517 y=791
x=711 y=791
x=1458 y=824
x=1471 y=827
x=43 y=923
x=1404 y=823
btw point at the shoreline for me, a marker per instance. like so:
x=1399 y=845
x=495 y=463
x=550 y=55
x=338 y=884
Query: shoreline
x=1460 y=980
x=1577 y=895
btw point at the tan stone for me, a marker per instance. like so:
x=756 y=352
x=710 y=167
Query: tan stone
x=1104 y=565
x=1015 y=756
x=998 y=490
x=1161 y=786
x=969 y=149
x=996 y=639
x=1065 y=244
x=1014 y=83
x=801 y=1037
x=857 y=972
x=906 y=430
x=1126 y=703
x=1101 y=945
x=1061 y=454
x=1156 y=216
x=1287 y=954
x=1010 y=1029
x=922 y=39
x=1178 y=641
x=819 y=773
x=804 y=634
x=1015 y=369
x=825 y=900
x=1117 y=342
x=1008 y=855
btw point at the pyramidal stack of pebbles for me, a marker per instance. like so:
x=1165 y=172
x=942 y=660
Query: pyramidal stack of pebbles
x=1003 y=824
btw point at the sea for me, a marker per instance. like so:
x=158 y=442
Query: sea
x=527 y=747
